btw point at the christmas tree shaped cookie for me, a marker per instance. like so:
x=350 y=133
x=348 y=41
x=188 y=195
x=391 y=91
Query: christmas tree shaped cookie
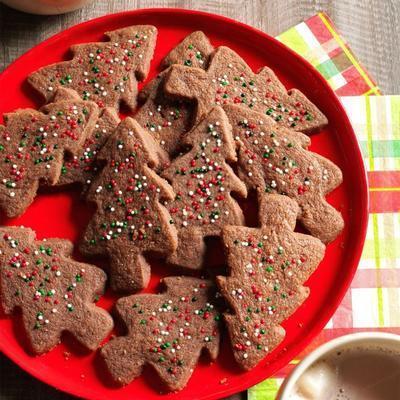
x=164 y=118
x=54 y=292
x=203 y=182
x=32 y=147
x=229 y=80
x=83 y=167
x=275 y=159
x=194 y=51
x=104 y=72
x=167 y=331
x=130 y=220
x=267 y=269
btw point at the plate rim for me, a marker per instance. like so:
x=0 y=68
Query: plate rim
x=363 y=223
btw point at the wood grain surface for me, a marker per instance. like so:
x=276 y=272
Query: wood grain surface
x=370 y=26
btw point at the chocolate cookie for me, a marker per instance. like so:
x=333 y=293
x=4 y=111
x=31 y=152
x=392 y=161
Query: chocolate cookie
x=105 y=72
x=130 y=220
x=83 y=167
x=203 y=181
x=167 y=331
x=164 y=118
x=275 y=159
x=267 y=269
x=229 y=80
x=54 y=292
x=194 y=51
x=33 y=144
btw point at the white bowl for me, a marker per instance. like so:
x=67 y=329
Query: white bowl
x=46 y=7
x=385 y=340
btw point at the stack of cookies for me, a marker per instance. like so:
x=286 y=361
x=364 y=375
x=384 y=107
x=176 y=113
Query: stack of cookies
x=201 y=135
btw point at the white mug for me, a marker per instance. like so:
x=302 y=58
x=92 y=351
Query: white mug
x=46 y=7
x=383 y=340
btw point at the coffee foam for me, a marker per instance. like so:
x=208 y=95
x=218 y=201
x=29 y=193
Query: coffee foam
x=316 y=382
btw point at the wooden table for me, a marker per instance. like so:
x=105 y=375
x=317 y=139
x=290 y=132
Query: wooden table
x=372 y=27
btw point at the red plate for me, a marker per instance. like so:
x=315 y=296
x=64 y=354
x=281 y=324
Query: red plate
x=64 y=215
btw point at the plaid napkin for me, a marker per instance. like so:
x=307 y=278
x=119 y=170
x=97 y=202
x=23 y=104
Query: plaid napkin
x=373 y=301
x=318 y=41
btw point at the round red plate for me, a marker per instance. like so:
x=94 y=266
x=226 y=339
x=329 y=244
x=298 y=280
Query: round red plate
x=62 y=214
